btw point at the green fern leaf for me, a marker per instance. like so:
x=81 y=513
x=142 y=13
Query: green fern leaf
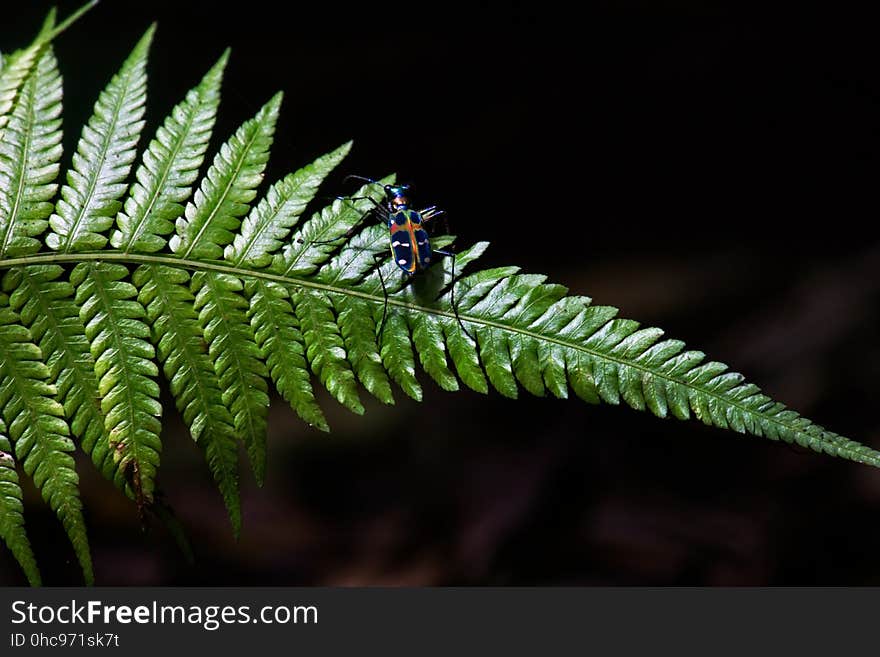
x=358 y=329
x=616 y=360
x=312 y=246
x=240 y=295
x=278 y=335
x=397 y=345
x=276 y=328
x=238 y=360
x=227 y=188
x=46 y=306
x=90 y=200
x=205 y=229
x=529 y=332
x=169 y=168
x=325 y=348
x=119 y=343
x=38 y=430
x=322 y=234
x=29 y=154
x=354 y=316
x=182 y=350
x=50 y=312
x=427 y=336
x=11 y=512
x=17 y=66
x=397 y=356
x=270 y=221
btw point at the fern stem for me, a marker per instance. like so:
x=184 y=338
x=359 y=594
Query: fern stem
x=70 y=20
x=136 y=258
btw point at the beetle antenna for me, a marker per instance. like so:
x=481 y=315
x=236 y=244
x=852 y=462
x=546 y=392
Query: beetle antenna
x=369 y=180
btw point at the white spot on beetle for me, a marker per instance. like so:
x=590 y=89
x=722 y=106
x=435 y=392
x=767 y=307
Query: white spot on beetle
x=401 y=262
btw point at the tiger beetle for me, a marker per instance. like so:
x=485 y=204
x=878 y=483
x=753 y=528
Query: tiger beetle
x=410 y=244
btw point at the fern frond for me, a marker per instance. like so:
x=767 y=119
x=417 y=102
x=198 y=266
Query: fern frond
x=238 y=361
x=12 y=512
x=29 y=154
x=123 y=355
x=227 y=188
x=39 y=433
x=529 y=333
x=90 y=199
x=226 y=295
x=181 y=348
x=555 y=342
x=169 y=168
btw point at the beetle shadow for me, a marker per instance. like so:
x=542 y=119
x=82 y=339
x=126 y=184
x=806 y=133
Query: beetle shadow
x=427 y=285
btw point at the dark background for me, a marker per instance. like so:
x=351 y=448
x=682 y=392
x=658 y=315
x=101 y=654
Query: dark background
x=706 y=169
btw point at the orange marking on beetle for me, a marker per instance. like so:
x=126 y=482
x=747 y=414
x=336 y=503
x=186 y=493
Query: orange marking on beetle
x=409 y=227
x=413 y=245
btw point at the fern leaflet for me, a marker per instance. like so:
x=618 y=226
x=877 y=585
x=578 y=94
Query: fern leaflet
x=12 y=512
x=169 y=168
x=39 y=432
x=90 y=200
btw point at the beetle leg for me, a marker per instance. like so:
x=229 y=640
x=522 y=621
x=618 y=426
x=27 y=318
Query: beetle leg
x=450 y=254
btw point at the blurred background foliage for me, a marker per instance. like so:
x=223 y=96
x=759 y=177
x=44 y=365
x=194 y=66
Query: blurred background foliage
x=707 y=170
